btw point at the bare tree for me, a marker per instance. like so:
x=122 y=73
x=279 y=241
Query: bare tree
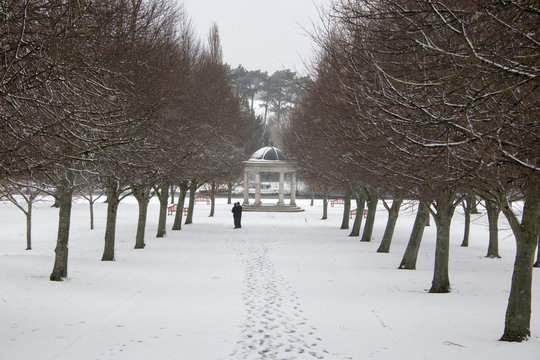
x=88 y=194
x=393 y=213
x=455 y=83
x=14 y=192
x=410 y=256
x=64 y=191
x=493 y=211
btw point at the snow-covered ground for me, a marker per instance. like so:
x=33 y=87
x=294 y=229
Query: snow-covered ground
x=285 y=286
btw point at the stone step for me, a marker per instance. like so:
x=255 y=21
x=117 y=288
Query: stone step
x=271 y=208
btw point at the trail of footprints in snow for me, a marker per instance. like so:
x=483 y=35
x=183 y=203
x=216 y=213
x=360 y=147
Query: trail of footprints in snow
x=275 y=327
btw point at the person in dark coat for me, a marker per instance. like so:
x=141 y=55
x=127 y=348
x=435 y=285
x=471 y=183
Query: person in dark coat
x=237 y=215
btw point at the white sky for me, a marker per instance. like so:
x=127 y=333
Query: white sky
x=259 y=34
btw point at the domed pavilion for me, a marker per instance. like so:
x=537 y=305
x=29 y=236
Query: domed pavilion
x=269 y=159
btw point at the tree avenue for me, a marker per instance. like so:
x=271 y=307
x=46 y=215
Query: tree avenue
x=113 y=95
x=428 y=104
x=432 y=101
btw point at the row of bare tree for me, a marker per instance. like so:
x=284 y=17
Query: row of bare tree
x=432 y=101
x=113 y=95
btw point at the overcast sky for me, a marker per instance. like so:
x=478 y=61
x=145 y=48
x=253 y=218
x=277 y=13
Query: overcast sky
x=259 y=34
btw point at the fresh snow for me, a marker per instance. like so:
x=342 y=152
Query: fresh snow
x=285 y=286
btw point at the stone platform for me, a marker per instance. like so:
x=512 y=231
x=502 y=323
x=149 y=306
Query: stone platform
x=271 y=208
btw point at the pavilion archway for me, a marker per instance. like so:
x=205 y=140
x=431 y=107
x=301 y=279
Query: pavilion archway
x=269 y=159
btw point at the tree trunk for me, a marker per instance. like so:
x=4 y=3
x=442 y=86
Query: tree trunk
x=443 y=219
x=64 y=196
x=142 y=195
x=212 y=199
x=229 y=192
x=163 y=198
x=372 y=201
x=493 y=212
x=360 y=205
x=312 y=197
x=393 y=214
x=29 y=226
x=173 y=190
x=325 y=205
x=472 y=204
x=537 y=263
x=113 y=192
x=518 y=313
x=177 y=225
x=91 y=205
x=191 y=205
x=466 y=231
x=346 y=210
x=410 y=256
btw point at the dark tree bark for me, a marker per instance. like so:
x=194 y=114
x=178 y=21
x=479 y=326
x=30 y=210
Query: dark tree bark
x=312 y=193
x=192 y=189
x=325 y=205
x=229 y=192
x=467 y=208
x=346 y=210
x=393 y=214
x=537 y=263
x=372 y=201
x=360 y=205
x=517 y=325
x=29 y=226
x=142 y=195
x=177 y=225
x=113 y=194
x=444 y=204
x=163 y=198
x=64 y=196
x=91 y=205
x=173 y=191
x=471 y=201
x=493 y=211
x=212 y=199
x=410 y=256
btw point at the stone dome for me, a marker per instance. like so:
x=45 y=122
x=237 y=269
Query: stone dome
x=269 y=153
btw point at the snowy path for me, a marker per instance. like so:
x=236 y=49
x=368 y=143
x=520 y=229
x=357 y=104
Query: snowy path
x=275 y=326
x=284 y=287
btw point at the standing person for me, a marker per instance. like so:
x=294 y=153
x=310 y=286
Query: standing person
x=234 y=212
x=237 y=215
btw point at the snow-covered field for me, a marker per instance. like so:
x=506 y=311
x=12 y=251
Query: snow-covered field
x=285 y=286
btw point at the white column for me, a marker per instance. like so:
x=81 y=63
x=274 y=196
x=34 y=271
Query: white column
x=257 y=189
x=293 y=189
x=281 y=190
x=246 y=188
